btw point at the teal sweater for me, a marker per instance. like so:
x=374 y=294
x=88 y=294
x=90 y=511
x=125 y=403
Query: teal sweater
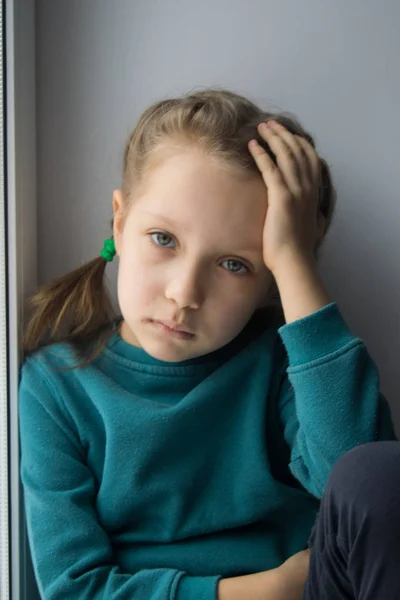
x=152 y=480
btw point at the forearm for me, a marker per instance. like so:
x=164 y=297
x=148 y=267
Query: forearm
x=301 y=289
x=258 y=586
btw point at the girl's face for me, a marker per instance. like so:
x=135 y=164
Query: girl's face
x=190 y=251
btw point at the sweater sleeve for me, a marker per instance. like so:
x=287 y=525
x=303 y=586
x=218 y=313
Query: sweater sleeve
x=330 y=400
x=71 y=553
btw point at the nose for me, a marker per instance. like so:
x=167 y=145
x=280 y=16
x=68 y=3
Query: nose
x=186 y=287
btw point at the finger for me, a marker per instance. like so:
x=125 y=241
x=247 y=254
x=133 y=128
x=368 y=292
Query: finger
x=289 y=154
x=269 y=170
x=307 y=168
x=313 y=159
x=291 y=140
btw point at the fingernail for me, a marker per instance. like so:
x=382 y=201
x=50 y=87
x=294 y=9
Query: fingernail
x=263 y=125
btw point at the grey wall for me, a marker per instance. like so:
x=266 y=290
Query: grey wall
x=334 y=64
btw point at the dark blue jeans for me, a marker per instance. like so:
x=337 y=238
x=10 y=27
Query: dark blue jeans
x=355 y=543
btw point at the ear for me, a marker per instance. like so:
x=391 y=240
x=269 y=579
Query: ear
x=321 y=226
x=119 y=211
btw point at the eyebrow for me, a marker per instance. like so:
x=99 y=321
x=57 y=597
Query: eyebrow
x=163 y=218
x=251 y=249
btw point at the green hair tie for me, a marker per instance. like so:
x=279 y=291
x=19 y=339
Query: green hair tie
x=108 y=251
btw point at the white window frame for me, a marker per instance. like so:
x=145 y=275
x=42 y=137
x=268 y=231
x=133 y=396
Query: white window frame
x=18 y=248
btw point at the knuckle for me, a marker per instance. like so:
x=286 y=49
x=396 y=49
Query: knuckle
x=271 y=167
x=288 y=153
x=298 y=191
x=287 y=198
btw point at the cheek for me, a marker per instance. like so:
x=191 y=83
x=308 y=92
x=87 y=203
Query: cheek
x=138 y=282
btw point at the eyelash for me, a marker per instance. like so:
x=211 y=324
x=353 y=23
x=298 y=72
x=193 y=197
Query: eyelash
x=241 y=274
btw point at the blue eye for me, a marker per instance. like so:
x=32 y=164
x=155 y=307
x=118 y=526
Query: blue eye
x=163 y=234
x=229 y=260
x=237 y=262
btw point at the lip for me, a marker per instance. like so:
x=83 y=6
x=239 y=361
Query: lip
x=173 y=326
x=181 y=335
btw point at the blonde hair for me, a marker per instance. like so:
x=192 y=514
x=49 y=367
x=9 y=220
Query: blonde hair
x=76 y=307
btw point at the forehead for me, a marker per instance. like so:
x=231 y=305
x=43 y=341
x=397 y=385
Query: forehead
x=198 y=193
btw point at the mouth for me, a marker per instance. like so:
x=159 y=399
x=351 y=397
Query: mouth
x=173 y=330
x=170 y=325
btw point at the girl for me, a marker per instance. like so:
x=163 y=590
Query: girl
x=180 y=450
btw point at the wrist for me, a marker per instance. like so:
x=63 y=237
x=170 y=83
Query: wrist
x=301 y=288
x=257 y=586
x=293 y=259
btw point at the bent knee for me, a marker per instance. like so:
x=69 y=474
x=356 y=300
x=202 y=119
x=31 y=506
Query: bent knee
x=368 y=471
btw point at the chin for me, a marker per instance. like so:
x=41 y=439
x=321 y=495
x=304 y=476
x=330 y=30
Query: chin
x=169 y=355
